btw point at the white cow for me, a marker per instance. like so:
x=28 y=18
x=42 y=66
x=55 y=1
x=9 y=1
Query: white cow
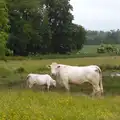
x=115 y=74
x=66 y=74
x=112 y=75
x=40 y=79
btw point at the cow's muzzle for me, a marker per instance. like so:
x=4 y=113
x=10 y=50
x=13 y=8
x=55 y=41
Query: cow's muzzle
x=53 y=75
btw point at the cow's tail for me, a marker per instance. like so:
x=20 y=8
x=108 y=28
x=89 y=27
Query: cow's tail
x=100 y=80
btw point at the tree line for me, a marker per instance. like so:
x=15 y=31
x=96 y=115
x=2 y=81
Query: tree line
x=38 y=26
x=104 y=37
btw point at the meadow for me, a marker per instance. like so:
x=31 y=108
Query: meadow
x=20 y=103
x=93 y=48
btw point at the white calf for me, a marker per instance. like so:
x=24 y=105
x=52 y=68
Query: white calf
x=66 y=74
x=40 y=79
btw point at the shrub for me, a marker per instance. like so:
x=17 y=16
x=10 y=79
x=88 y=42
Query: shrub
x=19 y=70
x=107 y=48
x=101 y=50
x=109 y=67
x=8 y=52
x=42 y=69
x=105 y=67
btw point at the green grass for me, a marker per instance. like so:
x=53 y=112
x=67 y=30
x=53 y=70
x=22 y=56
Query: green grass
x=93 y=48
x=19 y=103
x=36 y=65
x=89 y=49
x=72 y=61
x=29 y=105
x=8 y=74
x=8 y=69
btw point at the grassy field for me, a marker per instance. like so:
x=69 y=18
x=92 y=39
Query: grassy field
x=9 y=74
x=89 y=48
x=29 y=105
x=93 y=48
x=31 y=65
x=19 y=103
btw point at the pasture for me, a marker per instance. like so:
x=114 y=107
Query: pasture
x=93 y=48
x=17 y=102
x=89 y=48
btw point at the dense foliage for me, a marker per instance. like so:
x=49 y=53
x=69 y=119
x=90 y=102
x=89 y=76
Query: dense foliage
x=45 y=27
x=3 y=26
x=40 y=26
x=107 y=48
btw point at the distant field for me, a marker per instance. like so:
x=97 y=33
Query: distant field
x=31 y=65
x=92 y=48
x=8 y=69
x=89 y=49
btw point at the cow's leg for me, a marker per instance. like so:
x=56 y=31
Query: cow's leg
x=30 y=85
x=97 y=90
x=42 y=88
x=93 y=88
x=93 y=93
x=66 y=85
x=48 y=86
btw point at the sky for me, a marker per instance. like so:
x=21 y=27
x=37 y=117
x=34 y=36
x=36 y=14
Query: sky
x=97 y=14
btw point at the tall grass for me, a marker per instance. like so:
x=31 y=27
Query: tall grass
x=29 y=105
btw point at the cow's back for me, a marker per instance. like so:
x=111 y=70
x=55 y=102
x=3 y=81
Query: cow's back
x=41 y=79
x=78 y=73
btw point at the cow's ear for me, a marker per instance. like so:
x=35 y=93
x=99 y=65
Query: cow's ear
x=58 y=66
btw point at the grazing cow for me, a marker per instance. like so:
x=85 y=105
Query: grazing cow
x=112 y=75
x=66 y=74
x=115 y=74
x=40 y=79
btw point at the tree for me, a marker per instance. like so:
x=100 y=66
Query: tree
x=98 y=37
x=3 y=27
x=60 y=20
x=78 y=36
x=25 y=19
x=43 y=26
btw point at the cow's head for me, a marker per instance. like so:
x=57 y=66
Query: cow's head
x=54 y=68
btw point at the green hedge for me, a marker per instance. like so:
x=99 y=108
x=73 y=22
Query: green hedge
x=44 y=69
x=105 y=67
x=54 y=56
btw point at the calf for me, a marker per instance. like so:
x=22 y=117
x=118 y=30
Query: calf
x=40 y=79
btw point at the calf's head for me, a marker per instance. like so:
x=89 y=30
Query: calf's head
x=54 y=83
